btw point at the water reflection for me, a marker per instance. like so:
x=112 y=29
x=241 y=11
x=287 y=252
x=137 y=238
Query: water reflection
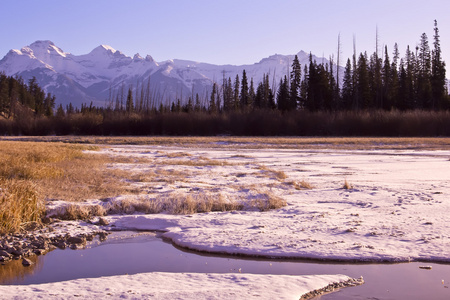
x=13 y=270
x=123 y=253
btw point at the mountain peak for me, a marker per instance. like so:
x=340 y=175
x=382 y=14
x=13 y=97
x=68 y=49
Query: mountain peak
x=149 y=58
x=137 y=57
x=44 y=47
x=104 y=71
x=107 y=48
x=42 y=44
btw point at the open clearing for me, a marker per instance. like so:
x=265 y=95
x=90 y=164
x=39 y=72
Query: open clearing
x=375 y=201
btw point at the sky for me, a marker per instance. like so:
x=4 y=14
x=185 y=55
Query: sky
x=221 y=32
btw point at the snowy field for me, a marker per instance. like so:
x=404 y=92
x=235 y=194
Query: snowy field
x=393 y=209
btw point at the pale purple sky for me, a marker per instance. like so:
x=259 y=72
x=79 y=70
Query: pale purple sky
x=223 y=32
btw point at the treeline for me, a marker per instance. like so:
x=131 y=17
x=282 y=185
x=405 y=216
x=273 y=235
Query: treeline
x=379 y=96
x=15 y=94
x=415 y=81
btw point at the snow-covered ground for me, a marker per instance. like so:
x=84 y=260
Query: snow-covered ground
x=176 y=286
x=396 y=210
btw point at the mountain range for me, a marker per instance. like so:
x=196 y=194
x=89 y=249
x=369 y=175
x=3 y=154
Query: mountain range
x=104 y=73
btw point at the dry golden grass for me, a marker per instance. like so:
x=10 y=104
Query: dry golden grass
x=180 y=204
x=267 y=201
x=30 y=172
x=280 y=175
x=20 y=203
x=347 y=185
x=75 y=211
x=347 y=143
x=200 y=162
x=301 y=185
x=176 y=154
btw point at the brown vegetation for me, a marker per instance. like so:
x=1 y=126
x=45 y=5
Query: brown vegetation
x=414 y=123
x=347 y=185
x=32 y=172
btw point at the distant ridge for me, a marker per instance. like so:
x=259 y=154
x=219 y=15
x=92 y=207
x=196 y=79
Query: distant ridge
x=100 y=75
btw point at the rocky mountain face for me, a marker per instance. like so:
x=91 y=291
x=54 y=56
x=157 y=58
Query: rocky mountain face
x=106 y=74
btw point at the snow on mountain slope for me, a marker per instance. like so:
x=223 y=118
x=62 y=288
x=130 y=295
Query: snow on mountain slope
x=104 y=72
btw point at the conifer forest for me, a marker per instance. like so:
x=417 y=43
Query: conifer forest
x=382 y=93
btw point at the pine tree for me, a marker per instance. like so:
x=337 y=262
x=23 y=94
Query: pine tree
x=197 y=106
x=129 y=103
x=4 y=94
x=347 y=87
x=295 y=83
x=404 y=88
x=212 y=102
x=228 y=97
x=189 y=106
x=424 y=73
x=236 y=93
x=386 y=81
x=303 y=89
x=60 y=113
x=70 y=110
x=394 y=77
x=437 y=72
x=251 y=94
x=244 y=96
x=49 y=105
x=259 y=96
x=363 y=83
x=410 y=100
x=283 y=95
x=333 y=87
x=311 y=86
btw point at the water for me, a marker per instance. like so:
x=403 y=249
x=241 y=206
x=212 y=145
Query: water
x=131 y=253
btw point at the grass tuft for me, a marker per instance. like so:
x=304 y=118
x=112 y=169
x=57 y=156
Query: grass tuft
x=347 y=185
x=268 y=201
x=20 y=204
x=301 y=185
x=178 y=204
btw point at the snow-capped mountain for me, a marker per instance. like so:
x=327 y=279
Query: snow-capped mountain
x=104 y=73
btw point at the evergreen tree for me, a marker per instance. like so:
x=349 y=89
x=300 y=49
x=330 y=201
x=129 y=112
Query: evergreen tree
x=333 y=87
x=437 y=72
x=295 y=84
x=404 y=89
x=189 y=106
x=129 y=103
x=259 y=96
x=424 y=73
x=228 y=96
x=49 y=105
x=311 y=86
x=363 y=84
x=375 y=81
x=386 y=79
x=4 y=94
x=70 y=110
x=394 y=78
x=197 y=106
x=212 y=102
x=283 y=95
x=412 y=101
x=251 y=94
x=347 y=87
x=236 y=93
x=303 y=89
x=244 y=95
x=60 y=113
